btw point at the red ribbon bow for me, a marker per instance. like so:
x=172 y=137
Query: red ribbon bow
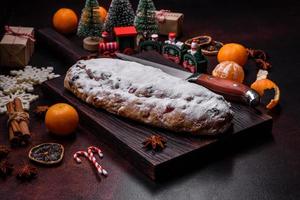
x=161 y=15
x=9 y=31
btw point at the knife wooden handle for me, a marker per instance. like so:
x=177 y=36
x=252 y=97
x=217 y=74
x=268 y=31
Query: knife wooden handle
x=231 y=90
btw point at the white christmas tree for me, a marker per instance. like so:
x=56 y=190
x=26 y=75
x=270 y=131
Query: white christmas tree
x=120 y=13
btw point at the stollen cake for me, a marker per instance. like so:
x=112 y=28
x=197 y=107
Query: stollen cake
x=149 y=95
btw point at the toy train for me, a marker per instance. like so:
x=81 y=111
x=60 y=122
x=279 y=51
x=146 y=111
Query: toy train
x=125 y=41
x=191 y=59
x=176 y=51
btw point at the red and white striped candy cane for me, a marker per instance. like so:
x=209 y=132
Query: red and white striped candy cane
x=100 y=169
x=80 y=153
x=91 y=158
x=94 y=149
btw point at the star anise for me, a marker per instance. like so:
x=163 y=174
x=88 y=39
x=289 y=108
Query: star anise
x=4 y=151
x=41 y=110
x=5 y=168
x=26 y=172
x=155 y=142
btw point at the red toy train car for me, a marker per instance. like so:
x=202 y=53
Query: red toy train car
x=125 y=41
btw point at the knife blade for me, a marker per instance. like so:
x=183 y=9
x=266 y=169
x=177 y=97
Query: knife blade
x=231 y=90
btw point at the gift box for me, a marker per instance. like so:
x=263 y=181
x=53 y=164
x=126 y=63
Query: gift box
x=169 y=22
x=16 y=46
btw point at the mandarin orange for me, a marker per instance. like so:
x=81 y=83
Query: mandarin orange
x=61 y=119
x=102 y=12
x=233 y=52
x=229 y=70
x=65 y=20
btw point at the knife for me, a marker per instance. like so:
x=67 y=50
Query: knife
x=231 y=90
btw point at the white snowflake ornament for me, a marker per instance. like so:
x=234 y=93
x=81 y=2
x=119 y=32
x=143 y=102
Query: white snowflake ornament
x=20 y=82
x=9 y=84
x=34 y=75
x=26 y=99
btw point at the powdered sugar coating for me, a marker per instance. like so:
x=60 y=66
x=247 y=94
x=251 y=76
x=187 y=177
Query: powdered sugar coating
x=151 y=90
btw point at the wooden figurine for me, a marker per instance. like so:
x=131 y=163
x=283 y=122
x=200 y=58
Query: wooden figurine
x=105 y=36
x=193 y=60
x=173 y=50
x=151 y=45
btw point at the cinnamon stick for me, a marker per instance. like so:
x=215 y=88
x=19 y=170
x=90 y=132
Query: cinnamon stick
x=18 y=121
x=13 y=127
x=23 y=125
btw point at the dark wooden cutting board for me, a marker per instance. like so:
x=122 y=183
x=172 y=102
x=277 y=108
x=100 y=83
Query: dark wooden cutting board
x=126 y=136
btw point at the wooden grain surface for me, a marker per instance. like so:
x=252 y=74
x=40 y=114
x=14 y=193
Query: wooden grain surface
x=128 y=135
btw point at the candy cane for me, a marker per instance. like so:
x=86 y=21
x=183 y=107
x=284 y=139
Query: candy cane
x=100 y=169
x=94 y=149
x=80 y=153
x=91 y=158
x=97 y=165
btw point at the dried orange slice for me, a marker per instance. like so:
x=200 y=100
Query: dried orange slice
x=47 y=153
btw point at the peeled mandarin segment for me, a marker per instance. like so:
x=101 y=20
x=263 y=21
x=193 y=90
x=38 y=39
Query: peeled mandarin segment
x=264 y=84
x=229 y=70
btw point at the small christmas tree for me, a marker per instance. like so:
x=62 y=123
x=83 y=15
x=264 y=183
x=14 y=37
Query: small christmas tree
x=90 y=23
x=145 y=18
x=120 y=13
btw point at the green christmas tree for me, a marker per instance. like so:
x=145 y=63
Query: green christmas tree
x=120 y=13
x=145 y=17
x=90 y=23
